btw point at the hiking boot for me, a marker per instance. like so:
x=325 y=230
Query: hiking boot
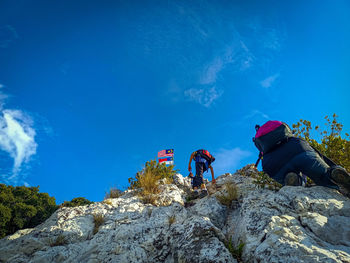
x=203 y=193
x=292 y=179
x=194 y=195
x=341 y=177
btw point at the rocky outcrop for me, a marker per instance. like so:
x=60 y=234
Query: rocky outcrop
x=295 y=224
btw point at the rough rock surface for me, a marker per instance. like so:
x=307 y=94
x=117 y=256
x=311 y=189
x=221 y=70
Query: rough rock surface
x=295 y=224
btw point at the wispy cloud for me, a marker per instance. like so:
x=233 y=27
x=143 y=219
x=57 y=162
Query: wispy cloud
x=7 y=36
x=17 y=139
x=236 y=55
x=255 y=113
x=205 y=52
x=203 y=96
x=269 y=81
x=228 y=160
x=210 y=73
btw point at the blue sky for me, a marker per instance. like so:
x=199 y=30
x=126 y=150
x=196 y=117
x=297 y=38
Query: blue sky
x=91 y=90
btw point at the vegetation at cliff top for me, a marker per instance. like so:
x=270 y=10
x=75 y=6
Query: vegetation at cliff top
x=158 y=170
x=23 y=207
x=113 y=193
x=78 y=201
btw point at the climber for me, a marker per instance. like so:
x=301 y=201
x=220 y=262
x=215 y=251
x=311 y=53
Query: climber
x=284 y=157
x=203 y=160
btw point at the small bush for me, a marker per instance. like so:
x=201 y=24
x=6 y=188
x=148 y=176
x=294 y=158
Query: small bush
x=113 y=193
x=231 y=194
x=236 y=252
x=248 y=170
x=99 y=219
x=149 y=187
x=159 y=170
x=78 y=201
x=60 y=241
x=149 y=183
x=147 y=180
x=262 y=180
x=107 y=202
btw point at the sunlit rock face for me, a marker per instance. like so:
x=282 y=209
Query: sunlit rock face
x=294 y=224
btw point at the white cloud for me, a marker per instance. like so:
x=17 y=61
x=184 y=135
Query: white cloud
x=17 y=139
x=203 y=96
x=237 y=56
x=227 y=160
x=268 y=82
x=210 y=73
x=256 y=113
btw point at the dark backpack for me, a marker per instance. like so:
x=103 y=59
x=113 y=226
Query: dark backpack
x=206 y=155
x=270 y=135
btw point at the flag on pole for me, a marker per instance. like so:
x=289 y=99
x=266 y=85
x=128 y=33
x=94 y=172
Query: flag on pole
x=166 y=153
x=168 y=159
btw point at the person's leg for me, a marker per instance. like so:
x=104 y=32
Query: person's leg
x=197 y=180
x=199 y=173
x=311 y=164
x=282 y=178
x=292 y=179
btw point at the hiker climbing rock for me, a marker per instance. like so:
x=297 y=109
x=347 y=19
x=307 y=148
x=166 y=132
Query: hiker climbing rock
x=203 y=160
x=285 y=158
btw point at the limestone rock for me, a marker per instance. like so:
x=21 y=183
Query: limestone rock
x=295 y=224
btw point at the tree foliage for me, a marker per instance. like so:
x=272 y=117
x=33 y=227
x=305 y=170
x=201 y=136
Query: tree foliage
x=78 y=201
x=23 y=207
x=330 y=143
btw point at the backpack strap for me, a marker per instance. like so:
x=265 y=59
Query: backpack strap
x=260 y=157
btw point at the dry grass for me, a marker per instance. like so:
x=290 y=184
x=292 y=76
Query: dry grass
x=113 y=193
x=171 y=219
x=231 y=194
x=107 y=202
x=149 y=187
x=99 y=219
x=60 y=241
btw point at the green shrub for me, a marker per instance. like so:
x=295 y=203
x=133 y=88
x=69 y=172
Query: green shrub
x=78 y=201
x=236 y=252
x=330 y=141
x=231 y=194
x=23 y=207
x=159 y=170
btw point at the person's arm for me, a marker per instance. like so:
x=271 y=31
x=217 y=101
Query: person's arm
x=189 y=163
x=212 y=175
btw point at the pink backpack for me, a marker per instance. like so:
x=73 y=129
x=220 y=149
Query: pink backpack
x=271 y=134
